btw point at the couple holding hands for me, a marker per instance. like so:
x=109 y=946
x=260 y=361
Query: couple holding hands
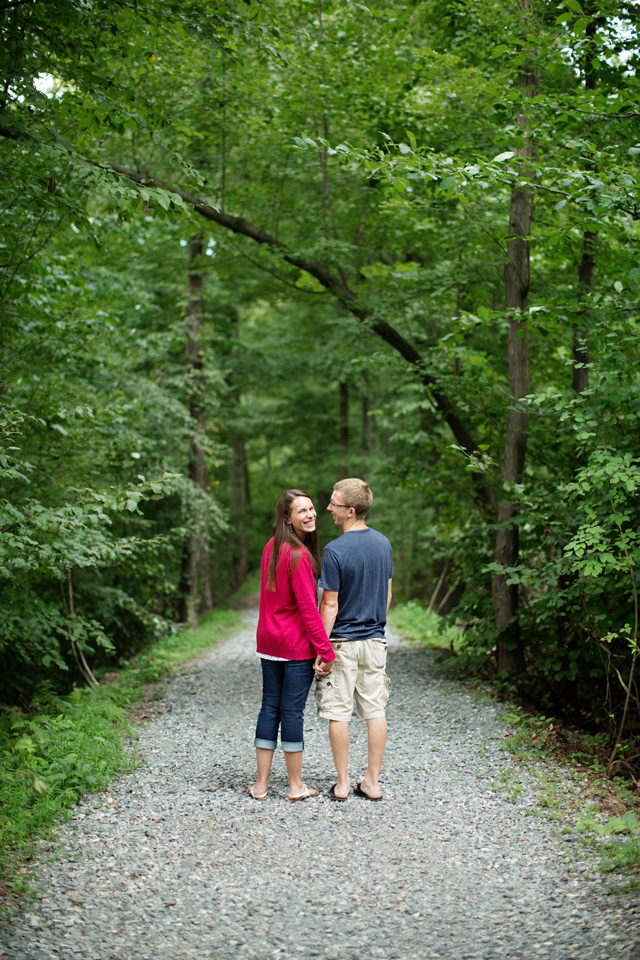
x=342 y=643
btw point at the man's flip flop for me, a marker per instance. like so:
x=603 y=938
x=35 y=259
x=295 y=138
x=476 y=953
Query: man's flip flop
x=256 y=796
x=359 y=792
x=332 y=794
x=303 y=796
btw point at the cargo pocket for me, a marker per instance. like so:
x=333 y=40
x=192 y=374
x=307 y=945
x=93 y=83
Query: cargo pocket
x=324 y=693
x=385 y=690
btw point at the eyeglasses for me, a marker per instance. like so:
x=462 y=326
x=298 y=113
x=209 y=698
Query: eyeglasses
x=346 y=505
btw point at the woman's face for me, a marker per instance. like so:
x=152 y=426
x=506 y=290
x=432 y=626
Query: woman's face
x=302 y=516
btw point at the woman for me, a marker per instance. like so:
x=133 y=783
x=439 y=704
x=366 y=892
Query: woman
x=290 y=635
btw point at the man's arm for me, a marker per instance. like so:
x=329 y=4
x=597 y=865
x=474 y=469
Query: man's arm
x=328 y=613
x=389 y=596
x=329 y=609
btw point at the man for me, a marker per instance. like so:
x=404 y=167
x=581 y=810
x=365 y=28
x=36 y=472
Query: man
x=357 y=569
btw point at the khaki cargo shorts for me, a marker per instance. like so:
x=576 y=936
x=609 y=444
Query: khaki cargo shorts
x=359 y=668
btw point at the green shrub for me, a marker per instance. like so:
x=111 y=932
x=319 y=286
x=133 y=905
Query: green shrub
x=416 y=624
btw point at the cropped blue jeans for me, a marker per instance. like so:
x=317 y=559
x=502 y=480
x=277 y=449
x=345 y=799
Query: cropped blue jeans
x=285 y=687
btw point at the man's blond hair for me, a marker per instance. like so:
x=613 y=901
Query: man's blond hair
x=357 y=494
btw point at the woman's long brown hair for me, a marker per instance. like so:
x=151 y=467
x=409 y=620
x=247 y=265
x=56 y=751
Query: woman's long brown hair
x=283 y=533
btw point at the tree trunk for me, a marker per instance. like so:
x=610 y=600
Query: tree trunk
x=586 y=268
x=196 y=548
x=586 y=271
x=239 y=491
x=509 y=653
x=240 y=502
x=343 y=432
x=367 y=430
x=566 y=626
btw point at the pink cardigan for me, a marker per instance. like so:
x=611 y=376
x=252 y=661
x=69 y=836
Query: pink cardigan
x=289 y=625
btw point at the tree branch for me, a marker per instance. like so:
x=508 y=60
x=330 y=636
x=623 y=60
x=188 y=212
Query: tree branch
x=335 y=285
x=344 y=295
x=16 y=3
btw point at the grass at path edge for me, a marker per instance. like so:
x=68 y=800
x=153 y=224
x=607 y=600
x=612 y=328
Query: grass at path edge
x=70 y=745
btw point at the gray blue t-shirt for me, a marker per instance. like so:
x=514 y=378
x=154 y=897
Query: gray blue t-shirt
x=358 y=565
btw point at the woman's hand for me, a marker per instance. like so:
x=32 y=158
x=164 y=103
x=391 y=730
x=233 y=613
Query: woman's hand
x=321 y=667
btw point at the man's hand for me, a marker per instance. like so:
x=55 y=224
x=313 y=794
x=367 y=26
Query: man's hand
x=321 y=667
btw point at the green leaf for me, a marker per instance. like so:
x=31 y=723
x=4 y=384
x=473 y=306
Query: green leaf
x=40 y=787
x=581 y=25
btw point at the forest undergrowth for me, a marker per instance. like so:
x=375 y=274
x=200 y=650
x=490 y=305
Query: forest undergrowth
x=73 y=743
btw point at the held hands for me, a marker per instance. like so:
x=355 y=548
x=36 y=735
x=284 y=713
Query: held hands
x=321 y=667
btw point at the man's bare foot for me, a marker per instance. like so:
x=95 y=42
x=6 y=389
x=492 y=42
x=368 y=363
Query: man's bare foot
x=334 y=795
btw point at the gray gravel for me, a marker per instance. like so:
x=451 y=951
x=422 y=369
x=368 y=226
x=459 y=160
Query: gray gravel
x=177 y=861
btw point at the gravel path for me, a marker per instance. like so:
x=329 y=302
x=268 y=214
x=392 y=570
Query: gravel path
x=177 y=861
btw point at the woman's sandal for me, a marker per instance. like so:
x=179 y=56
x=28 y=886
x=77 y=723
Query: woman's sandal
x=256 y=796
x=303 y=796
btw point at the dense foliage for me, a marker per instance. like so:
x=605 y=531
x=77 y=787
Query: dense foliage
x=262 y=244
